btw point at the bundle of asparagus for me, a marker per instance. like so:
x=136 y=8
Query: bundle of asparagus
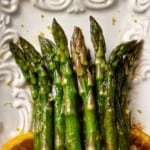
x=75 y=107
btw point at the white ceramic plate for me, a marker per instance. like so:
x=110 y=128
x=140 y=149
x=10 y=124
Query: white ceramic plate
x=120 y=20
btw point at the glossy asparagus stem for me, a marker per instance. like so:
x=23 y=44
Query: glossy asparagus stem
x=109 y=117
x=121 y=52
x=43 y=110
x=72 y=131
x=122 y=131
x=32 y=80
x=110 y=129
x=99 y=45
x=49 y=50
x=85 y=84
x=128 y=65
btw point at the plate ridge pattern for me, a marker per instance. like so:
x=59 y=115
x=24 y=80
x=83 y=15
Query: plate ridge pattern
x=140 y=6
x=9 y=6
x=72 y=6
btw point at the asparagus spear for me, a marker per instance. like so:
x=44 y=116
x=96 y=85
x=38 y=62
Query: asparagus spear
x=43 y=115
x=127 y=66
x=85 y=84
x=31 y=78
x=29 y=75
x=119 y=54
x=109 y=117
x=116 y=58
x=100 y=65
x=49 y=53
x=122 y=131
x=72 y=132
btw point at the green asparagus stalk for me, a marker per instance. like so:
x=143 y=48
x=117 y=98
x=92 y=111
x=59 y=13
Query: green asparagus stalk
x=122 y=130
x=118 y=55
x=44 y=114
x=29 y=75
x=98 y=41
x=127 y=66
x=85 y=85
x=72 y=131
x=49 y=54
x=32 y=80
x=109 y=117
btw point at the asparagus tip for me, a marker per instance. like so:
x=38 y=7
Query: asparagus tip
x=77 y=33
x=54 y=22
x=141 y=42
x=21 y=39
x=92 y=18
